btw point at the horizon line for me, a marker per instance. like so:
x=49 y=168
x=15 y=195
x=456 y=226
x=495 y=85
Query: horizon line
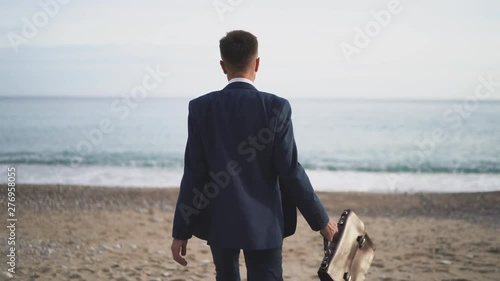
x=291 y=98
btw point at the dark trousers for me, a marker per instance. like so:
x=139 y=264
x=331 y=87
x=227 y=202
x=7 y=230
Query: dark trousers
x=262 y=265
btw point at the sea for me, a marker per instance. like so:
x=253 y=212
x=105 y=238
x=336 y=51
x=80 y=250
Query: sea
x=385 y=146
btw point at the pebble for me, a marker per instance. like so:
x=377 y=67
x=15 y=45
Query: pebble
x=446 y=262
x=166 y=274
x=86 y=269
x=118 y=246
x=154 y=219
x=45 y=251
x=74 y=275
x=7 y=275
x=133 y=246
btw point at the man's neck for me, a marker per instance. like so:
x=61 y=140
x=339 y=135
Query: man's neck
x=249 y=76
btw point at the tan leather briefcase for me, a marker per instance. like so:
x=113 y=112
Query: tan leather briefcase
x=350 y=254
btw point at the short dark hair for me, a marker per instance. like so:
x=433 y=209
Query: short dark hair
x=238 y=48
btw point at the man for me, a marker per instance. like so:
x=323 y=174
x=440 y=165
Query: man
x=242 y=182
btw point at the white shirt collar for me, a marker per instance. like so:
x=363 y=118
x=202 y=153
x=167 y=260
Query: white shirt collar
x=240 y=79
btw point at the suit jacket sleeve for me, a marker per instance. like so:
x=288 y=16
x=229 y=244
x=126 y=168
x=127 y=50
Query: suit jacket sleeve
x=292 y=176
x=190 y=203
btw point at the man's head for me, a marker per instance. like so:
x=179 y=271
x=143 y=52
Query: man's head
x=239 y=53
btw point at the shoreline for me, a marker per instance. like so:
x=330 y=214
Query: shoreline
x=322 y=180
x=123 y=234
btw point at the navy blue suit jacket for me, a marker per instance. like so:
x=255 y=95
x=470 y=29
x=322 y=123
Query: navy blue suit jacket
x=242 y=181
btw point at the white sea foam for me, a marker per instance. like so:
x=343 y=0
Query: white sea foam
x=403 y=182
x=322 y=180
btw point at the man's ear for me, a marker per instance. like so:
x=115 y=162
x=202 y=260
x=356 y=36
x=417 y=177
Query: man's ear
x=223 y=66
x=257 y=63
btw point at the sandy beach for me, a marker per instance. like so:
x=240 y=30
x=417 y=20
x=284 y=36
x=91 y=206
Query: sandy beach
x=123 y=234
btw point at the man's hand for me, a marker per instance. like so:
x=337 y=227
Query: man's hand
x=329 y=231
x=179 y=247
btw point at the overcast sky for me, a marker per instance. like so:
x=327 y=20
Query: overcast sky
x=427 y=49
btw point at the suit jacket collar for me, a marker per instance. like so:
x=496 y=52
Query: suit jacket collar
x=240 y=85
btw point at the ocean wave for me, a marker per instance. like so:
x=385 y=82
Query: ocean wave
x=116 y=159
x=426 y=167
x=175 y=160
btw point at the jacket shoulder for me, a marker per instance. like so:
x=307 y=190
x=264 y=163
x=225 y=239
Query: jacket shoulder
x=201 y=100
x=269 y=98
x=272 y=98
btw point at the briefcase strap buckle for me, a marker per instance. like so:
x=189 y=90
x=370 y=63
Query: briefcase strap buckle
x=361 y=241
